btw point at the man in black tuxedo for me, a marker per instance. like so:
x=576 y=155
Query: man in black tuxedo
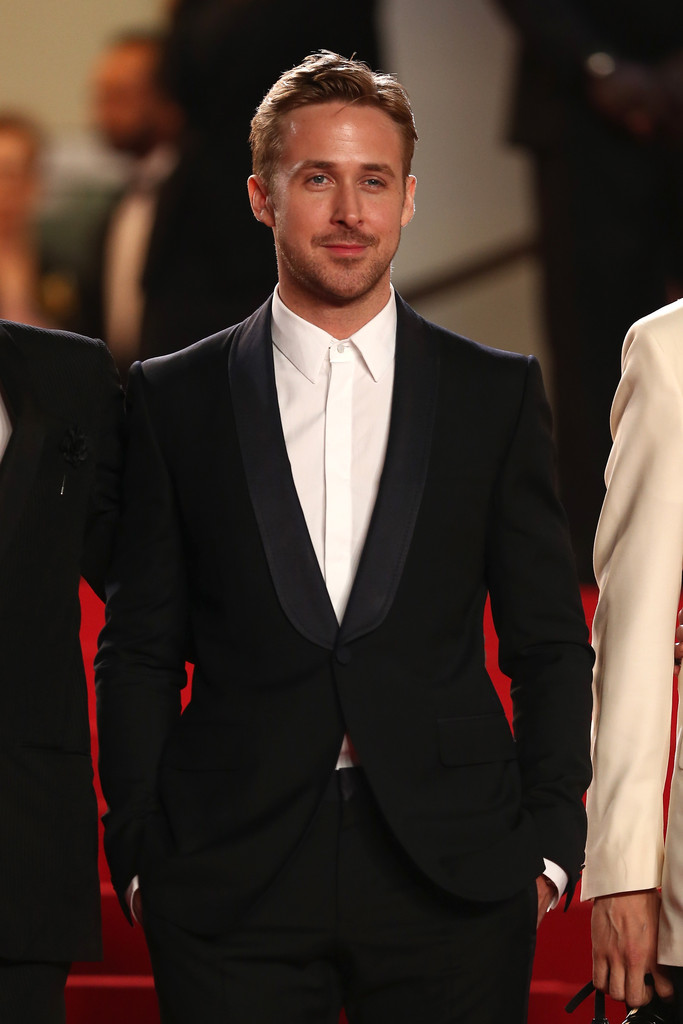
x=61 y=413
x=317 y=503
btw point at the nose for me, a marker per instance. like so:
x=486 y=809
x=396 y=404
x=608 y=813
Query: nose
x=348 y=211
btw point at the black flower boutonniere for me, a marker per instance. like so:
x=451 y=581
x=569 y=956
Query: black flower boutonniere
x=74 y=449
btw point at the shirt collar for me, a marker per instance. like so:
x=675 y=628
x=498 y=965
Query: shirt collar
x=306 y=346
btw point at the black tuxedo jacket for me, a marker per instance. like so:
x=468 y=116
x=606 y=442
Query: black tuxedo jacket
x=214 y=565
x=58 y=505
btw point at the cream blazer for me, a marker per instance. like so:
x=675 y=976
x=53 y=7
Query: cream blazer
x=638 y=564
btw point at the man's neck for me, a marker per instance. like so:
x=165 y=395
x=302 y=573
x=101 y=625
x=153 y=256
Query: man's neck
x=339 y=321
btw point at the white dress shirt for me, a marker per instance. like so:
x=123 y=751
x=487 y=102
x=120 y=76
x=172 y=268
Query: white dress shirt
x=335 y=403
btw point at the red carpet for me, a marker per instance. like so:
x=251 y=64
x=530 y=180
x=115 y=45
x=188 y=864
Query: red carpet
x=120 y=988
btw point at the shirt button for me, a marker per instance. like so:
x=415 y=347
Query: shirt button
x=343 y=655
x=340 y=348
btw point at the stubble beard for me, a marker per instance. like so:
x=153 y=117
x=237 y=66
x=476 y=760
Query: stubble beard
x=337 y=280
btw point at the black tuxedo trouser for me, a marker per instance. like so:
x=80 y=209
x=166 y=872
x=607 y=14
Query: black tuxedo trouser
x=677 y=978
x=32 y=993
x=350 y=922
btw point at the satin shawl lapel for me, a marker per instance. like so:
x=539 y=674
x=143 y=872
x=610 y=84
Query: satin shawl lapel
x=293 y=564
x=403 y=477
x=21 y=460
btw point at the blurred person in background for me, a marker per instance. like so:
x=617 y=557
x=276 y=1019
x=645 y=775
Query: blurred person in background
x=201 y=265
x=20 y=145
x=34 y=289
x=220 y=59
x=134 y=116
x=599 y=105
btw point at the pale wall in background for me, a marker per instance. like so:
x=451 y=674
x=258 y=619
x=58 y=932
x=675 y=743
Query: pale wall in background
x=47 y=50
x=456 y=58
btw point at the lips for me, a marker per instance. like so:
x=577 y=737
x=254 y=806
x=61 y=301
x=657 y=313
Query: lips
x=345 y=249
x=346 y=246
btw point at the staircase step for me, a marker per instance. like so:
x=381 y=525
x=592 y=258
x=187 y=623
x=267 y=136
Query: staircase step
x=125 y=950
x=549 y=998
x=111 y=999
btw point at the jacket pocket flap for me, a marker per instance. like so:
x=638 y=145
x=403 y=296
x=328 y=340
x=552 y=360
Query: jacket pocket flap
x=475 y=739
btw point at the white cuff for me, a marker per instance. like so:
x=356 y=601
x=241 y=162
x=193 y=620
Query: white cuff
x=559 y=877
x=130 y=892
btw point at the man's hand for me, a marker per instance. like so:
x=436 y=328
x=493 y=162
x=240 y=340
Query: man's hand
x=546 y=893
x=624 y=935
x=633 y=96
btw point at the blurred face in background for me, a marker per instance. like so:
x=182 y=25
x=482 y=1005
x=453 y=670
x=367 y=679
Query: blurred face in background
x=19 y=178
x=129 y=110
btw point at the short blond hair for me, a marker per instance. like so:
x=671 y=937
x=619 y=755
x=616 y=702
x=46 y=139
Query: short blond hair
x=326 y=77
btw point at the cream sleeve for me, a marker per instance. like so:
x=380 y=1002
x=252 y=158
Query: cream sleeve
x=638 y=561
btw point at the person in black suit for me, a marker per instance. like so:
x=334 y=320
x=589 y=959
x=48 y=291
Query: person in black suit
x=317 y=503
x=209 y=267
x=135 y=117
x=599 y=104
x=61 y=412
x=199 y=264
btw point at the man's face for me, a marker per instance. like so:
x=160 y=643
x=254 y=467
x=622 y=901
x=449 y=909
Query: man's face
x=337 y=204
x=126 y=99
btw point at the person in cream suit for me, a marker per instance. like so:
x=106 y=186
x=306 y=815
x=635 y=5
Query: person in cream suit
x=638 y=558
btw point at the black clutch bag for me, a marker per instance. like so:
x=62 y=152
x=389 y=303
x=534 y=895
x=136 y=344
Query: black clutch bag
x=654 y=1012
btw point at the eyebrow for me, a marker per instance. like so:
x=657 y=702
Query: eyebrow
x=324 y=165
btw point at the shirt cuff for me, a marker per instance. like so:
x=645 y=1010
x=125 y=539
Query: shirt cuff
x=130 y=892
x=559 y=877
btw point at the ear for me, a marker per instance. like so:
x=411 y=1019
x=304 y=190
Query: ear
x=260 y=203
x=408 y=200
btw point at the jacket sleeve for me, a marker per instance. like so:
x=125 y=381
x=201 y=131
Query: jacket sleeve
x=140 y=665
x=543 y=638
x=638 y=559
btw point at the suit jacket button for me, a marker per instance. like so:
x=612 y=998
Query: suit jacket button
x=343 y=655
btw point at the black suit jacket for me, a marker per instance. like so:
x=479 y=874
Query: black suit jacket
x=58 y=504
x=214 y=565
